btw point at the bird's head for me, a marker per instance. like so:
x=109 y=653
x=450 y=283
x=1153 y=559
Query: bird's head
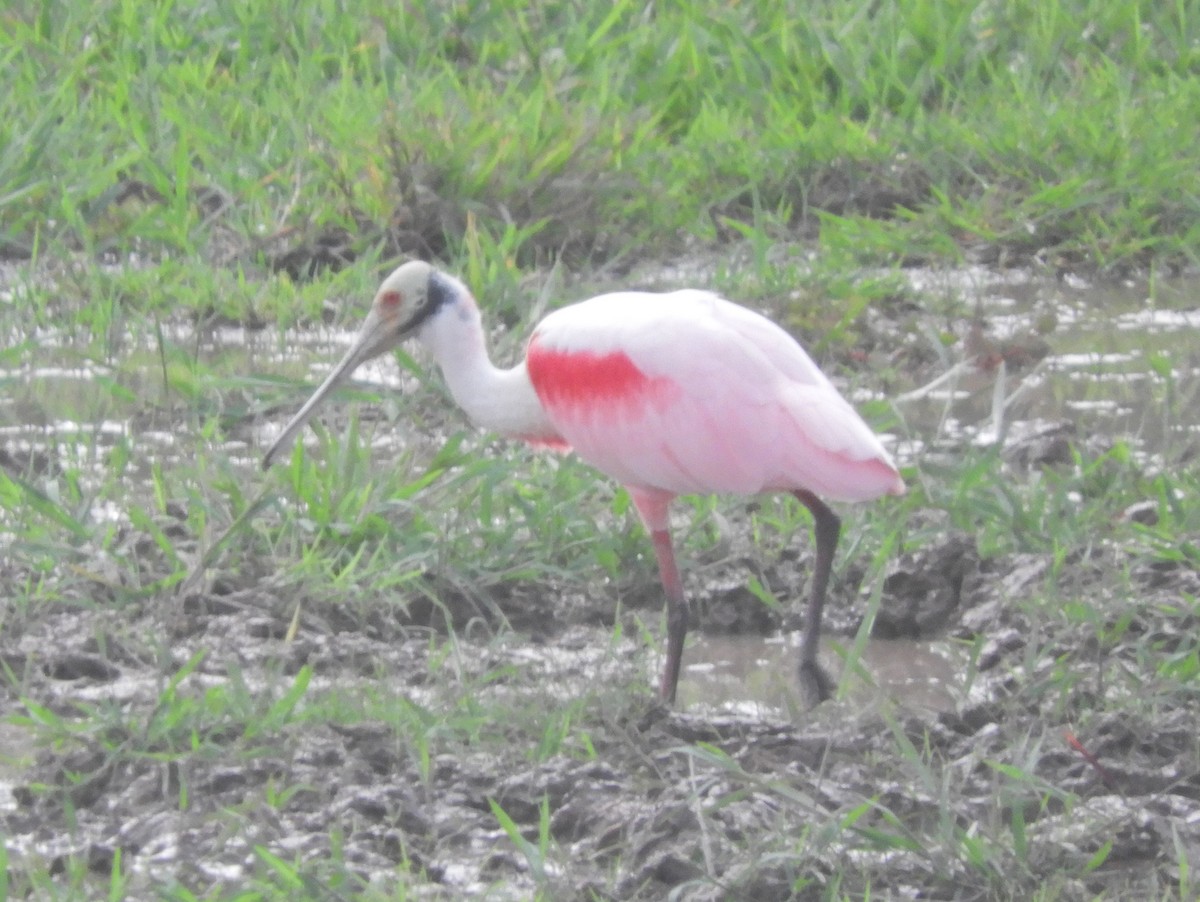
x=407 y=300
x=404 y=301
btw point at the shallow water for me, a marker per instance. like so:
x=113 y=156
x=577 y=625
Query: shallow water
x=1121 y=360
x=754 y=675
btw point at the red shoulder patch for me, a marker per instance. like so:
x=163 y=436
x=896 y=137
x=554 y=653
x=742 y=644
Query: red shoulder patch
x=573 y=380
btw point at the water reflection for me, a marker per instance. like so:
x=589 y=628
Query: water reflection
x=755 y=675
x=1121 y=359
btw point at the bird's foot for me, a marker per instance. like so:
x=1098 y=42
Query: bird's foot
x=815 y=684
x=656 y=712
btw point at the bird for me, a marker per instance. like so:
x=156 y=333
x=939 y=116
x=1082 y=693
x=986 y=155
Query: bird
x=672 y=393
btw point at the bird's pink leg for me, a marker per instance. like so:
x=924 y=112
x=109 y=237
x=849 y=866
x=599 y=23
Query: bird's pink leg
x=815 y=684
x=677 y=613
x=652 y=506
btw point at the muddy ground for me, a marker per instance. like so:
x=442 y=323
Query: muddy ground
x=1025 y=783
x=657 y=809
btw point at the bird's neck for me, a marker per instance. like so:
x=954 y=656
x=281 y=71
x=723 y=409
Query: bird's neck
x=495 y=399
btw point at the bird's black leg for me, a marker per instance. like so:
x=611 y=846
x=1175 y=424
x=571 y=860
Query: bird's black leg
x=815 y=685
x=677 y=612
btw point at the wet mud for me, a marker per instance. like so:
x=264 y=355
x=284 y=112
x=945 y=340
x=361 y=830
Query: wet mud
x=692 y=799
x=889 y=789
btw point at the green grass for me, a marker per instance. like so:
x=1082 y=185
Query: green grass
x=895 y=131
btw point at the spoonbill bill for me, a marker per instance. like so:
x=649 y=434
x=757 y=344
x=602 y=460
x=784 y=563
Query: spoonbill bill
x=670 y=394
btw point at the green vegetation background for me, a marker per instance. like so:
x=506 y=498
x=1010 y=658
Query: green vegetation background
x=891 y=131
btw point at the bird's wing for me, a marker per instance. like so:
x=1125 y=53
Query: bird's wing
x=687 y=393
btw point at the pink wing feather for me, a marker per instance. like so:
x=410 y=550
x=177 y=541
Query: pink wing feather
x=688 y=393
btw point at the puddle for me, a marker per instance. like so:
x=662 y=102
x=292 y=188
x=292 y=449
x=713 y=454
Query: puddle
x=62 y=412
x=755 y=675
x=1120 y=360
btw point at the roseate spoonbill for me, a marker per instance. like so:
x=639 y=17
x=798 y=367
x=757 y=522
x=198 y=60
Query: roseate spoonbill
x=670 y=394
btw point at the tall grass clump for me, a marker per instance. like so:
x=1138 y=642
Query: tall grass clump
x=910 y=129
